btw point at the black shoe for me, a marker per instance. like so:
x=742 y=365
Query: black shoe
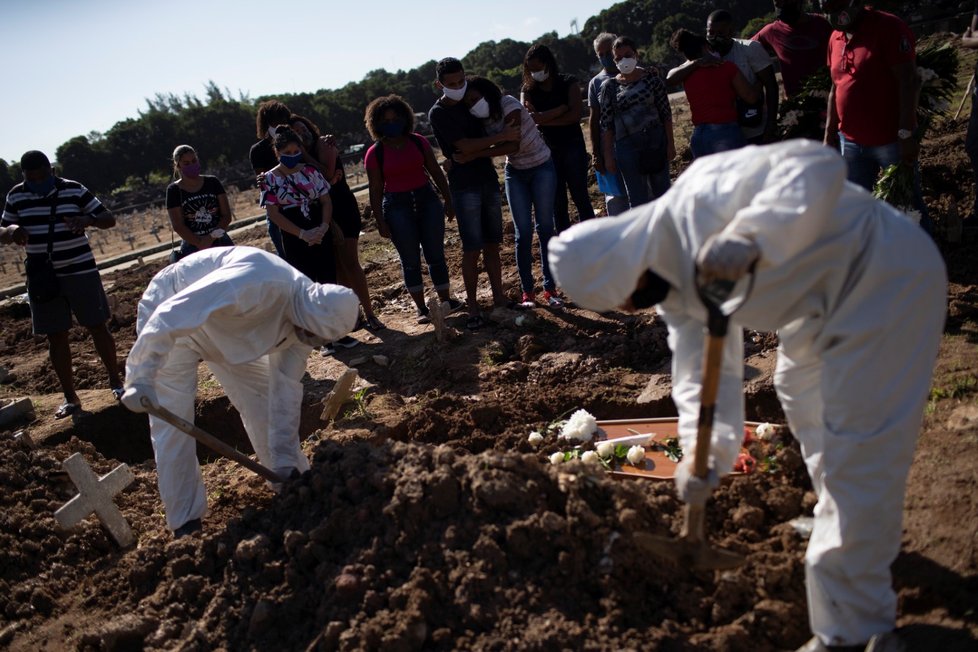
x=346 y=342
x=188 y=528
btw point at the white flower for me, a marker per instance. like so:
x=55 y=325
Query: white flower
x=535 y=438
x=580 y=427
x=822 y=95
x=590 y=457
x=765 y=431
x=636 y=454
x=926 y=74
x=557 y=458
x=606 y=449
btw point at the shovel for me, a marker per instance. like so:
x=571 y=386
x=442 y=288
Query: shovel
x=210 y=441
x=691 y=548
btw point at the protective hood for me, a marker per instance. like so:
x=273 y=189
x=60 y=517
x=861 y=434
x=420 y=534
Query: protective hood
x=329 y=311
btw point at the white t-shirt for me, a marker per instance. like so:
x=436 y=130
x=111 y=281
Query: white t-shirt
x=533 y=150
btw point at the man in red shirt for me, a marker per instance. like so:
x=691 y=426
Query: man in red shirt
x=872 y=104
x=798 y=39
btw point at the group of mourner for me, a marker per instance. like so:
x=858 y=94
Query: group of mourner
x=855 y=289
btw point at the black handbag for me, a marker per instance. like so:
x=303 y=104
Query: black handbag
x=749 y=115
x=42 y=281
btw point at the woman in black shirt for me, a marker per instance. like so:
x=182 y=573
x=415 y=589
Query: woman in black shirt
x=554 y=101
x=197 y=205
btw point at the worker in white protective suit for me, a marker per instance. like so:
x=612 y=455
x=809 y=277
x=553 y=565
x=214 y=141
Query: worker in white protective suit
x=253 y=319
x=857 y=293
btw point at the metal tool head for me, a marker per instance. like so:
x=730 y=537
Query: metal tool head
x=687 y=553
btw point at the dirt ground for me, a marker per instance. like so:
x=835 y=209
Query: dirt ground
x=429 y=522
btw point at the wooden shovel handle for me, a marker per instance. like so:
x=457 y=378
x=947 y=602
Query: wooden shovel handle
x=210 y=441
x=712 y=362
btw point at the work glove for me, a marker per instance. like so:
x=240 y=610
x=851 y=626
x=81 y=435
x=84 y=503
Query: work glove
x=726 y=257
x=692 y=489
x=134 y=395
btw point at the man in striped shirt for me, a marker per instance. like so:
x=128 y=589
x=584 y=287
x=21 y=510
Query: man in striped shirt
x=48 y=215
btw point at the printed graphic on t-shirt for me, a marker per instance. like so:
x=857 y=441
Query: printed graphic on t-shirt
x=201 y=213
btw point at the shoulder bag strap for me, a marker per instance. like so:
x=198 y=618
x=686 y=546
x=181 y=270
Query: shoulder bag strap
x=51 y=221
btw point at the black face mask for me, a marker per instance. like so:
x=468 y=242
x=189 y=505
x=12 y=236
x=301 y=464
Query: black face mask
x=655 y=291
x=788 y=15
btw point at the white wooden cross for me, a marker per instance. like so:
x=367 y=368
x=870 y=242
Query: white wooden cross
x=96 y=494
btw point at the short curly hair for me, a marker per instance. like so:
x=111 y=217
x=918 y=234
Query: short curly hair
x=376 y=110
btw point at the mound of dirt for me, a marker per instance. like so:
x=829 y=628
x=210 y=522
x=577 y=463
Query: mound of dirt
x=408 y=547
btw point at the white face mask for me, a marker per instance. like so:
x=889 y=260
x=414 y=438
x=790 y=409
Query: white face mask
x=627 y=66
x=540 y=75
x=480 y=109
x=455 y=94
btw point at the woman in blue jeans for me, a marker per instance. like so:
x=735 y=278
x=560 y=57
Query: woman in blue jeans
x=531 y=179
x=407 y=209
x=636 y=126
x=554 y=102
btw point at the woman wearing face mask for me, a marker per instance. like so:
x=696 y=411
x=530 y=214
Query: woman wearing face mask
x=297 y=199
x=554 y=102
x=636 y=126
x=197 y=205
x=531 y=180
x=399 y=166
x=712 y=92
x=325 y=156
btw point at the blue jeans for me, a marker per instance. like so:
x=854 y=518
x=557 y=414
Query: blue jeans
x=642 y=187
x=416 y=219
x=479 y=213
x=866 y=163
x=530 y=191
x=710 y=139
x=571 y=162
x=275 y=234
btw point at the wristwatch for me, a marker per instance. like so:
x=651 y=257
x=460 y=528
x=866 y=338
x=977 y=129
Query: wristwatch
x=904 y=134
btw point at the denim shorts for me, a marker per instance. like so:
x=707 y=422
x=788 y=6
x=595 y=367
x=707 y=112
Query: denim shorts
x=81 y=294
x=479 y=213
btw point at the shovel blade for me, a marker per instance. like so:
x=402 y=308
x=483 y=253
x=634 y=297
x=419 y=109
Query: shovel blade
x=684 y=552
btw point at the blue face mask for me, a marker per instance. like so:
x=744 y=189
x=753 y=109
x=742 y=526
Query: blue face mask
x=607 y=61
x=392 y=129
x=40 y=187
x=290 y=161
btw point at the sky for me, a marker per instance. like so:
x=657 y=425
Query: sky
x=83 y=65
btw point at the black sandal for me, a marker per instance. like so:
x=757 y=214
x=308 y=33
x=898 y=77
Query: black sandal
x=66 y=409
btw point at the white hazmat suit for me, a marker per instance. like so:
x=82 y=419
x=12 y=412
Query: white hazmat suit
x=857 y=293
x=238 y=309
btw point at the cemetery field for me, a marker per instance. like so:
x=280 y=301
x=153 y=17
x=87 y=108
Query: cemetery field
x=429 y=522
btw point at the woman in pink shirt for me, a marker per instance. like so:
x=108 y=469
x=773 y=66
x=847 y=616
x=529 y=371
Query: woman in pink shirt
x=399 y=165
x=712 y=91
